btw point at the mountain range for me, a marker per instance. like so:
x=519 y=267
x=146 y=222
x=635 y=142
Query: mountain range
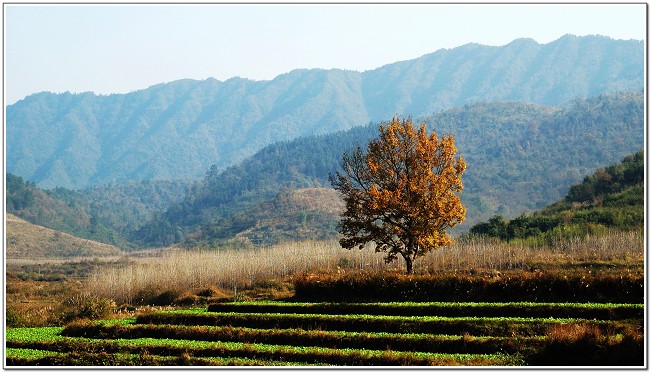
x=521 y=157
x=181 y=129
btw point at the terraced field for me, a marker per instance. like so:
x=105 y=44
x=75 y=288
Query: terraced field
x=361 y=334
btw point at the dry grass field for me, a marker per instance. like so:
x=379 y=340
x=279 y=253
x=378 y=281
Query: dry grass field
x=180 y=272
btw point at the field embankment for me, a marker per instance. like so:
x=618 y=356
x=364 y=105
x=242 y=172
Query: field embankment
x=542 y=286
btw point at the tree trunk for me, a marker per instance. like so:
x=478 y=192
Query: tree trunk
x=409 y=264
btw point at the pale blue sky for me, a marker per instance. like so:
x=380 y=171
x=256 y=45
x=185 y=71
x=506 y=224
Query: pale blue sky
x=121 y=48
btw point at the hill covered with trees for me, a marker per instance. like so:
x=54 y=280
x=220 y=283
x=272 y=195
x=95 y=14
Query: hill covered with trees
x=104 y=213
x=520 y=158
x=179 y=129
x=611 y=197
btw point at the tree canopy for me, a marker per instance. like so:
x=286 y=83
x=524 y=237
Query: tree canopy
x=402 y=192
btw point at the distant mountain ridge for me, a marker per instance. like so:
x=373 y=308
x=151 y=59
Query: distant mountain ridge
x=180 y=129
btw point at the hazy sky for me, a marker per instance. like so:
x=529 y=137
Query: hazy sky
x=121 y=48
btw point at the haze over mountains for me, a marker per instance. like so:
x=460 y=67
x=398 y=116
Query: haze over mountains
x=180 y=129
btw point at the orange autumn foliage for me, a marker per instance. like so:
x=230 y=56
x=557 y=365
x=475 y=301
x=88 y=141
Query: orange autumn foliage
x=402 y=192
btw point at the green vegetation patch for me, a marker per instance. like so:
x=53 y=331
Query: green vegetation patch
x=478 y=326
x=605 y=311
x=28 y=354
x=48 y=358
x=300 y=337
x=34 y=334
x=303 y=354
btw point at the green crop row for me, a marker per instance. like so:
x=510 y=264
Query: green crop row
x=484 y=309
x=476 y=326
x=32 y=357
x=34 y=334
x=304 y=354
x=299 y=337
x=28 y=354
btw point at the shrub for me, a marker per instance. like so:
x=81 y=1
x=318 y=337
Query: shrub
x=211 y=292
x=13 y=318
x=165 y=298
x=584 y=344
x=88 y=307
x=190 y=300
x=96 y=308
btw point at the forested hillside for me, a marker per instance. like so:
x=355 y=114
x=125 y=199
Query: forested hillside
x=105 y=214
x=611 y=197
x=179 y=129
x=521 y=157
x=234 y=200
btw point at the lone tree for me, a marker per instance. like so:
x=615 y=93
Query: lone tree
x=401 y=193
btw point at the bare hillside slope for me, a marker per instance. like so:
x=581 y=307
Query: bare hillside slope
x=28 y=241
